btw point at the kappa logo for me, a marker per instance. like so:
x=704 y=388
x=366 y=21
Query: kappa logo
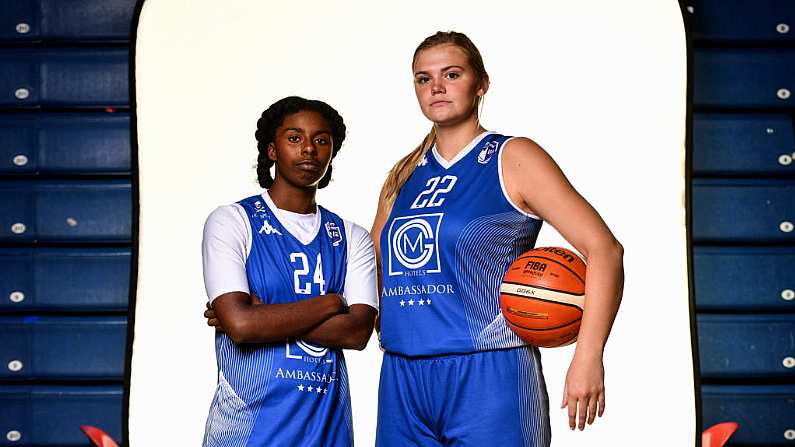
x=487 y=152
x=333 y=232
x=414 y=245
x=315 y=352
x=267 y=228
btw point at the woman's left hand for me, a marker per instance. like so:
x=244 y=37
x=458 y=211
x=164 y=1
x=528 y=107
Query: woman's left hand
x=584 y=391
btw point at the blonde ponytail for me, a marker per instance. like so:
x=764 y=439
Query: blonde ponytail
x=403 y=169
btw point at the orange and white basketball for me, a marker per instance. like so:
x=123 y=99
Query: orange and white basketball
x=542 y=296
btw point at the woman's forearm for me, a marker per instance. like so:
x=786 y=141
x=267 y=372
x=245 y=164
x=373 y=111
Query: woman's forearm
x=247 y=322
x=349 y=330
x=603 y=289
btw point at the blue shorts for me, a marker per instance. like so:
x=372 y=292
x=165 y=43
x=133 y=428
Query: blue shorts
x=484 y=398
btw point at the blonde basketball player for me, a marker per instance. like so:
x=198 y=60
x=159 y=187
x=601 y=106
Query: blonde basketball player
x=452 y=216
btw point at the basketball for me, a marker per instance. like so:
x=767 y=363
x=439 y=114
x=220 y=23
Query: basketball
x=542 y=296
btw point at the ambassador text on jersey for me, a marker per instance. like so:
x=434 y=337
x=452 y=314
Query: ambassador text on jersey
x=450 y=237
x=290 y=393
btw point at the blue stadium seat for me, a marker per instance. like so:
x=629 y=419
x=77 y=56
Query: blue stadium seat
x=69 y=143
x=748 y=279
x=759 y=346
x=747 y=78
x=743 y=210
x=742 y=20
x=766 y=414
x=62 y=348
x=743 y=144
x=52 y=415
x=98 y=211
x=64 y=279
x=18 y=20
x=96 y=20
x=71 y=77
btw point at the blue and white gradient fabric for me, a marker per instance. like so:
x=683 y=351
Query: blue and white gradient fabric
x=291 y=393
x=454 y=374
x=469 y=400
x=450 y=237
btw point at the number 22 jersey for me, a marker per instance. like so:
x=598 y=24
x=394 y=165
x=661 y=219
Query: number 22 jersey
x=450 y=237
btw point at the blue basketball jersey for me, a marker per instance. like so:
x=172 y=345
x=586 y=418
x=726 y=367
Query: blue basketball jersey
x=445 y=247
x=292 y=392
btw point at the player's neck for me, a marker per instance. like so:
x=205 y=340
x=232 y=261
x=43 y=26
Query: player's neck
x=289 y=198
x=451 y=139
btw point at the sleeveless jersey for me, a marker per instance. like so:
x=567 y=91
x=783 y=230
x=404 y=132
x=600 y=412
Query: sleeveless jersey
x=292 y=392
x=448 y=241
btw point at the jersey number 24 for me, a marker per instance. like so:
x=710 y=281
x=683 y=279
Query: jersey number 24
x=300 y=280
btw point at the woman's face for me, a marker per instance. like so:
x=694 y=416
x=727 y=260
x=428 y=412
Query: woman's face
x=447 y=87
x=302 y=149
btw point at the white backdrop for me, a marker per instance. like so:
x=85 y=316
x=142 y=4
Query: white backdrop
x=600 y=85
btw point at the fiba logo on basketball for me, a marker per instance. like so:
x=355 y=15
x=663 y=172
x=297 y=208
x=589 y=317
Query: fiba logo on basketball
x=413 y=245
x=534 y=268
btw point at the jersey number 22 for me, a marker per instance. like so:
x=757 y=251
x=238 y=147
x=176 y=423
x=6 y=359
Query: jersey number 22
x=433 y=195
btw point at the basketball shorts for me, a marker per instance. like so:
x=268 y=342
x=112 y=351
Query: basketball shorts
x=473 y=400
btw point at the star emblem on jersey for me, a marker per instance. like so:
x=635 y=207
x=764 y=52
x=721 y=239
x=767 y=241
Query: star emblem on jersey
x=267 y=228
x=415 y=303
x=312 y=389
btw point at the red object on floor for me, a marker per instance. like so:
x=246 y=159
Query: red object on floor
x=98 y=437
x=718 y=434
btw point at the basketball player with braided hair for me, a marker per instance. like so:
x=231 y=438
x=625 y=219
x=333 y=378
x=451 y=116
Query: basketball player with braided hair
x=290 y=285
x=452 y=216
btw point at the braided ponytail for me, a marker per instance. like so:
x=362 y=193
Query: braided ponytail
x=264 y=163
